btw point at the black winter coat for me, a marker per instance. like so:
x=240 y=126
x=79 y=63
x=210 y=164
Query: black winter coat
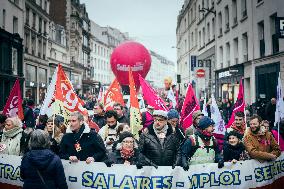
x=91 y=144
x=115 y=157
x=29 y=117
x=233 y=152
x=99 y=120
x=49 y=166
x=153 y=153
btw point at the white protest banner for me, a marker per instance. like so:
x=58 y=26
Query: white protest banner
x=243 y=174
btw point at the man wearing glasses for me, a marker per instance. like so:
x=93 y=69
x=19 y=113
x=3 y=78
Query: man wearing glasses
x=159 y=145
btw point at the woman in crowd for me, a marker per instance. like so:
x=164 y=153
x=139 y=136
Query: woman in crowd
x=234 y=149
x=124 y=127
x=55 y=134
x=41 y=121
x=40 y=167
x=11 y=139
x=126 y=151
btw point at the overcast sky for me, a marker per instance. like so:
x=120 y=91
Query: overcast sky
x=151 y=22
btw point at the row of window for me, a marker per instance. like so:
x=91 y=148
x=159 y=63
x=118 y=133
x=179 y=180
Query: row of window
x=101 y=64
x=34 y=45
x=101 y=51
x=41 y=23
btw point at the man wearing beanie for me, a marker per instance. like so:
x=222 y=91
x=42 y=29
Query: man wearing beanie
x=201 y=147
x=159 y=145
x=173 y=121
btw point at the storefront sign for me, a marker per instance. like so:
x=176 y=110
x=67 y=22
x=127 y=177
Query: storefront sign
x=42 y=85
x=200 y=73
x=224 y=74
x=280 y=26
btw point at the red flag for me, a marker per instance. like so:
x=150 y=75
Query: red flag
x=151 y=97
x=65 y=94
x=13 y=106
x=190 y=105
x=113 y=95
x=239 y=106
x=135 y=116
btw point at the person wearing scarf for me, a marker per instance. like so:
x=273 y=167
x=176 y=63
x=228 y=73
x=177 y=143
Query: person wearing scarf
x=126 y=151
x=80 y=144
x=11 y=139
x=259 y=143
x=234 y=149
x=201 y=147
x=159 y=145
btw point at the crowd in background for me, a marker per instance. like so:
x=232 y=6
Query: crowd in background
x=106 y=137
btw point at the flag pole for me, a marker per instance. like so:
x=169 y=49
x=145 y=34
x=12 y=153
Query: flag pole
x=53 y=130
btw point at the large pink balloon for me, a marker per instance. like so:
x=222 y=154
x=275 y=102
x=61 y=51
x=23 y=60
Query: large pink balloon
x=131 y=54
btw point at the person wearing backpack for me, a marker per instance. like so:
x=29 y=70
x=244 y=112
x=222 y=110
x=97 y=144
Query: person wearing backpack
x=201 y=147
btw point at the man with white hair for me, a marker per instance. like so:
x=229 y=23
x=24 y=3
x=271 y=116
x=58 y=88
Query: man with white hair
x=80 y=144
x=159 y=145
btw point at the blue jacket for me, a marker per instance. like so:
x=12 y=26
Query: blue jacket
x=49 y=166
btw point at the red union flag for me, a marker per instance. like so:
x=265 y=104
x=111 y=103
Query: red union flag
x=113 y=95
x=65 y=97
x=151 y=97
x=13 y=106
x=190 y=105
x=239 y=106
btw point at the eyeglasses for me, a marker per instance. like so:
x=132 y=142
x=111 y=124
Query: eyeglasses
x=159 y=120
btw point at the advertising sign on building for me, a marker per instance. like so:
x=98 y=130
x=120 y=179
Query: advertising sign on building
x=279 y=26
x=193 y=62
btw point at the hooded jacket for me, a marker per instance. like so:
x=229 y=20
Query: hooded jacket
x=49 y=167
x=156 y=154
x=91 y=145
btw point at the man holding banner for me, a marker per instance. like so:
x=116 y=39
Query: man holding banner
x=80 y=144
x=259 y=143
x=159 y=146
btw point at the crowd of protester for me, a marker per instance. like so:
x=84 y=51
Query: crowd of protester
x=106 y=137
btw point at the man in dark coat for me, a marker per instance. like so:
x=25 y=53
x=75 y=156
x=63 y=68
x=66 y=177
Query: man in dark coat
x=270 y=112
x=80 y=144
x=99 y=115
x=29 y=117
x=159 y=146
x=119 y=110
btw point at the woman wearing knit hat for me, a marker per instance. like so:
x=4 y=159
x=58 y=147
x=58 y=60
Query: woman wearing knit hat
x=234 y=149
x=201 y=147
x=126 y=151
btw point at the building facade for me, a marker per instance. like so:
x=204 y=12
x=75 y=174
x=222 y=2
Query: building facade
x=72 y=15
x=161 y=68
x=11 y=47
x=36 y=26
x=100 y=56
x=239 y=38
x=57 y=52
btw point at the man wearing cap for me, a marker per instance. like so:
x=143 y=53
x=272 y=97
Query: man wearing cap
x=196 y=116
x=173 y=121
x=201 y=147
x=159 y=145
x=147 y=117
